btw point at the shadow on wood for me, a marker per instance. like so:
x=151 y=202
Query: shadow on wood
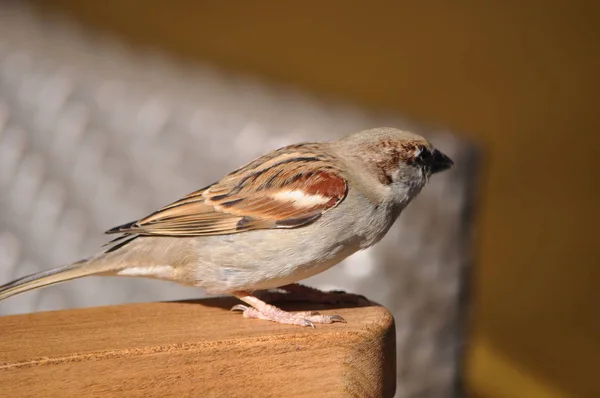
x=195 y=348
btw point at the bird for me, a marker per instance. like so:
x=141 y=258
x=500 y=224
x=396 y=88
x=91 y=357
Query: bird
x=281 y=218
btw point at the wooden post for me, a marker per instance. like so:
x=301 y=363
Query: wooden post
x=195 y=349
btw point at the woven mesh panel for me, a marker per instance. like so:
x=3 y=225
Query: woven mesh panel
x=94 y=134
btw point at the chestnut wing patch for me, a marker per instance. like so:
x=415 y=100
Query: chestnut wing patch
x=285 y=189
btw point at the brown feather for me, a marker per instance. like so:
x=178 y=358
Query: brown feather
x=287 y=188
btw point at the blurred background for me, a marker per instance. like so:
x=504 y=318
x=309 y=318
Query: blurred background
x=517 y=78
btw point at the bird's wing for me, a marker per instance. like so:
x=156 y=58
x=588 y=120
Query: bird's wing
x=287 y=188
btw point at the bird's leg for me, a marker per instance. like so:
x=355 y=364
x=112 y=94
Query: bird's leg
x=298 y=292
x=258 y=309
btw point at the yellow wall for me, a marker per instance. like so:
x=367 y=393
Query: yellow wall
x=522 y=77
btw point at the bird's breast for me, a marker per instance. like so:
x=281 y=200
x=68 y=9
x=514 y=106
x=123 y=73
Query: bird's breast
x=266 y=259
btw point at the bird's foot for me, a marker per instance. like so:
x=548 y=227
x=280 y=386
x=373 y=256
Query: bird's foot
x=258 y=309
x=298 y=292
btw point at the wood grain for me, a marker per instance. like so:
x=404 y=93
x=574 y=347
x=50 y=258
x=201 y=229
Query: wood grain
x=196 y=349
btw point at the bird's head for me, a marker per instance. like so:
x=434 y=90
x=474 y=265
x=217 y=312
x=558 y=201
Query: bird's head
x=397 y=163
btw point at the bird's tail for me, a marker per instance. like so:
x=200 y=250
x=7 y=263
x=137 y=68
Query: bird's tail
x=92 y=266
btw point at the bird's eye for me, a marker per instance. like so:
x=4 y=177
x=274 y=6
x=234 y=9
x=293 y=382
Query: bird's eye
x=423 y=155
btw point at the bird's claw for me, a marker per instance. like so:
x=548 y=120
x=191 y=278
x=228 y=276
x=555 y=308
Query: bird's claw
x=239 y=307
x=307 y=319
x=337 y=318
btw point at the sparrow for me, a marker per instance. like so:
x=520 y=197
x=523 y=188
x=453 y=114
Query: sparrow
x=283 y=217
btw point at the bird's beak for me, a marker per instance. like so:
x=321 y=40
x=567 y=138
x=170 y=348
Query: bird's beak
x=440 y=162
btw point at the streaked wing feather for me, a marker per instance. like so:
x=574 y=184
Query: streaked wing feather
x=287 y=188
